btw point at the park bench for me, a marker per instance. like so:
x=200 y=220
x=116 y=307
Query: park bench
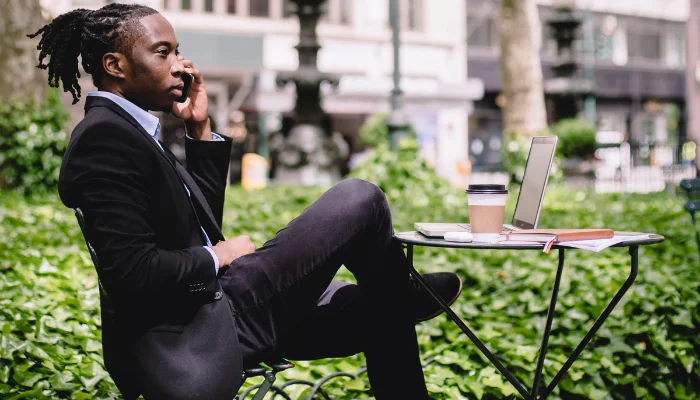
x=268 y=370
x=692 y=189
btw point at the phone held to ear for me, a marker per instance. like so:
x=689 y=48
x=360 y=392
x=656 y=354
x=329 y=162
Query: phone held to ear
x=187 y=79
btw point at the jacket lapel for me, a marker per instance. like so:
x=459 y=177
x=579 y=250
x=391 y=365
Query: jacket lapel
x=200 y=206
x=208 y=222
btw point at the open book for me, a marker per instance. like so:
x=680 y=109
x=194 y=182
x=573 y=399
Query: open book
x=551 y=236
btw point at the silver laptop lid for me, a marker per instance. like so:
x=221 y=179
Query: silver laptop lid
x=539 y=163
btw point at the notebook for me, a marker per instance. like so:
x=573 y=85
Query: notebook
x=551 y=236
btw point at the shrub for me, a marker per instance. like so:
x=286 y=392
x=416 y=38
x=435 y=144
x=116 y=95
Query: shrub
x=576 y=138
x=374 y=131
x=32 y=143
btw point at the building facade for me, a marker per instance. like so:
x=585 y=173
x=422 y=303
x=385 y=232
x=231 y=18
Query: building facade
x=633 y=51
x=241 y=45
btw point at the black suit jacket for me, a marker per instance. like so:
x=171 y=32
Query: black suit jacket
x=167 y=326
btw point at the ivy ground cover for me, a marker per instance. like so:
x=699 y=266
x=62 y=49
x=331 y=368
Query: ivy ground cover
x=648 y=349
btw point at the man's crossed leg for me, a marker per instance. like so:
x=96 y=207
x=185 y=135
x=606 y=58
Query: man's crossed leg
x=286 y=303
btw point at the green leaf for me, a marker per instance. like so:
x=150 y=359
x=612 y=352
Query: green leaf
x=37 y=351
x=4 y=372
x=63 y=381
x=356 y=384
x=662 y=389
x=476 y=388
x=91 y=374
x=529 y=353
x=26 y=378
x=683 y=318
x=81 y=396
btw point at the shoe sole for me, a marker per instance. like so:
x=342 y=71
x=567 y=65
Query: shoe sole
x=449 y=303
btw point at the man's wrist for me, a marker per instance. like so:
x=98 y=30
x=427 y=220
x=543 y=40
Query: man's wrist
x=200 y=130
x=214 y=257
x=219 y=256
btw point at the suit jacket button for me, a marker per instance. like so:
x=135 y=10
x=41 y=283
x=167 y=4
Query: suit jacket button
x=218 y=295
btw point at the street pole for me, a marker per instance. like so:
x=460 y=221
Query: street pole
x=397 y=122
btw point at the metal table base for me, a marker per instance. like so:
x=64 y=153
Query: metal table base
x=538 y=391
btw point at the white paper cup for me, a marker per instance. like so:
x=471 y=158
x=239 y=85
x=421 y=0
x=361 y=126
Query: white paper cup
x=487 y=204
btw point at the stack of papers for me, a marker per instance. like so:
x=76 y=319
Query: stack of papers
x=600 y=244
x=591 y=245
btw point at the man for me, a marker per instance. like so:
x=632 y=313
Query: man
x=183 y=309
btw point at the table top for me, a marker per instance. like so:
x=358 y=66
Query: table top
x=418 y=239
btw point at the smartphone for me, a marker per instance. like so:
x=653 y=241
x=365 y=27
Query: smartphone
x=187 y=79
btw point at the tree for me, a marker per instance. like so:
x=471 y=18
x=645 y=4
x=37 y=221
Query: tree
x=19 y=77
x=520 y=39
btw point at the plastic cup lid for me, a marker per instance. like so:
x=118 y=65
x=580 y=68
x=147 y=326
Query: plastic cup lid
x=487 y=189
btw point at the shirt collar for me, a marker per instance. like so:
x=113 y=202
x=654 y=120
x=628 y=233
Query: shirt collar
x=148 y=121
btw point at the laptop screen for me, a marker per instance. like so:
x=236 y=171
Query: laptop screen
x=534 y=182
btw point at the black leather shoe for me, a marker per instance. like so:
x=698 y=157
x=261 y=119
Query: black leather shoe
x=447 y=284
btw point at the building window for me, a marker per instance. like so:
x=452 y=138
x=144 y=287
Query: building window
x=481 y=32
x=345 y=17
x=231 y=7
x=209 y=6
x=644 y=45
x=325 y=13
x=259 y=8
x=548 y=47
x=674 y=49
x=415 y=15
x=288 y=9
x=410 y=14
x=186 y=5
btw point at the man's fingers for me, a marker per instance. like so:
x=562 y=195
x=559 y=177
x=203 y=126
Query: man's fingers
x=195 y=73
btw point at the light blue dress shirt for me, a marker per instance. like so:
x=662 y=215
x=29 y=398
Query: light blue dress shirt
x=151 y=124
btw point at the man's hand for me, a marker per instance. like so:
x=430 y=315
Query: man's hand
x=195 y=110
x=228 y=250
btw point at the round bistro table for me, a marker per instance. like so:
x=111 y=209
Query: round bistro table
x=538 y=391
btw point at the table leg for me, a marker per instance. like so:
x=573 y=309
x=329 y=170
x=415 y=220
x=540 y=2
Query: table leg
x=548 y=326
x=513 y=381
x=634 y=254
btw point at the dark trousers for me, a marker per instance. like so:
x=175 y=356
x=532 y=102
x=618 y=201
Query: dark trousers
x=286 y=303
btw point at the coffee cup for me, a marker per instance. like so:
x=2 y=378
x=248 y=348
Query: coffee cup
x=487 y=205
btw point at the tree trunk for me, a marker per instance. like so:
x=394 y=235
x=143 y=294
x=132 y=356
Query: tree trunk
x=693 y=86
x=19 y=77
x=520 y=39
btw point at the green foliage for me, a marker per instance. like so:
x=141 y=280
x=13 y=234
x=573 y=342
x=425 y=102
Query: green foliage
x=32 y=143
x=647 y=349
x=374 y=131
x=576 y=138
x=402 y=173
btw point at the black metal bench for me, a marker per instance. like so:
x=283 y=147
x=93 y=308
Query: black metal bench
x=269 y=369
x=692 y=189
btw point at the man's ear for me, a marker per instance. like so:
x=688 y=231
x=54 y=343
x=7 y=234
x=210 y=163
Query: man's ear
x=114 y=64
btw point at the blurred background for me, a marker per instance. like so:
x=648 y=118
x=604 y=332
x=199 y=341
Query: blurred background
x=639 y=58
x=627 y=71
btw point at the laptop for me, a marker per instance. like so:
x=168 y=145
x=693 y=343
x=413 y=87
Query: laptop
x=527 y=209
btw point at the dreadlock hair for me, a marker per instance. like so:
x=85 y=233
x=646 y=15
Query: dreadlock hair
x=88 y=34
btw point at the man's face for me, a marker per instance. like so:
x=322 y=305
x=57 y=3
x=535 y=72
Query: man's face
x=153 y=73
